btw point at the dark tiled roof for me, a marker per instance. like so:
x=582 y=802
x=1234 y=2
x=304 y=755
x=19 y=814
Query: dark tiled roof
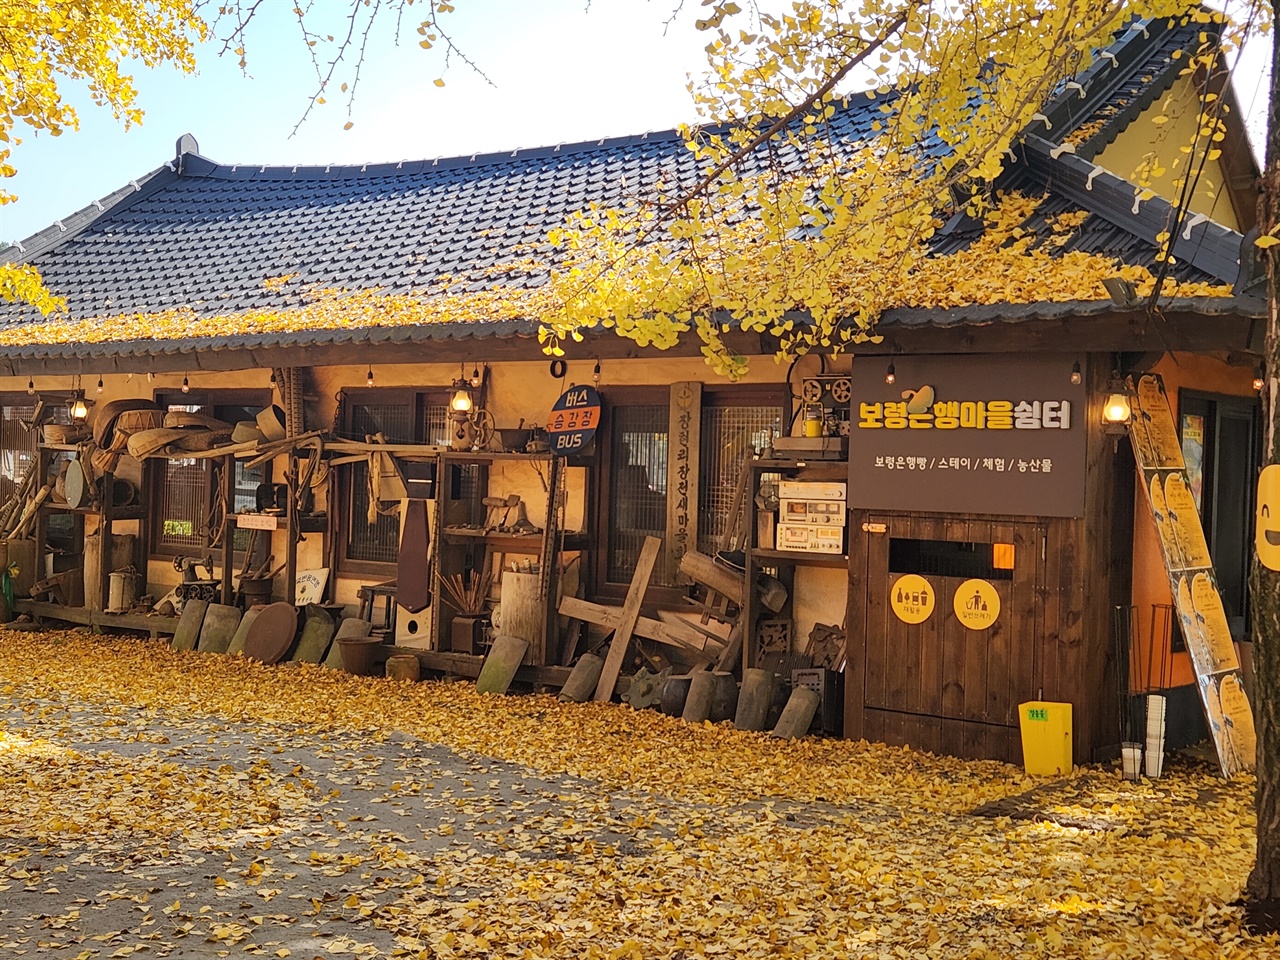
x=206 y=236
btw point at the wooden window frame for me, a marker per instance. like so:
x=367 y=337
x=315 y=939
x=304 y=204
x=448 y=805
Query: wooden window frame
x=420 y=398
x=713 y=395
x=153 y=475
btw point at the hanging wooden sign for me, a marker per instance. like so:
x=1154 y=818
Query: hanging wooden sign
x=1191 y=577
x=684 y=441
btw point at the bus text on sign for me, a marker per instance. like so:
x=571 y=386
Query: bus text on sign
x=574 y=420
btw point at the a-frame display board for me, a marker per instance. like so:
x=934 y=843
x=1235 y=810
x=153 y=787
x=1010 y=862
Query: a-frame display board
x=1191 y=576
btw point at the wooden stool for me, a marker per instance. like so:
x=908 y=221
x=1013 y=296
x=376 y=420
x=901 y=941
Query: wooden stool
x=369 y=596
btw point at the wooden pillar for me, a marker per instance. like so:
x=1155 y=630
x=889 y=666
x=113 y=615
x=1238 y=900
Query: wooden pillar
x=104 y=538
x=229 y=525
x=291 y=532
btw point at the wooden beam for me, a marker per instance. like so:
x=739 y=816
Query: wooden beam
x=704 y=570
x=627 y=623
x=650 y=629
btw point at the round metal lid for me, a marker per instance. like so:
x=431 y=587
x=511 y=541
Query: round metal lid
x=271 y=635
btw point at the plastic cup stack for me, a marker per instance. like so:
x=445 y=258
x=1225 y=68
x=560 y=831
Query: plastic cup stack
x=1155 y=735
x=1131 y=760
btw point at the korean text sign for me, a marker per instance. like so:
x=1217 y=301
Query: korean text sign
x=998 y=435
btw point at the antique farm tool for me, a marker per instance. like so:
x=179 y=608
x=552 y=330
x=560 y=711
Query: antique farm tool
x=646 y=688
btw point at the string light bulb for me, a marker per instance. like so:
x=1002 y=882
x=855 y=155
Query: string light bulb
x=1258 y=380
x=99 y=383
x=890 y=375
x=595 y=373
x=475 y=376
x=368 y=378
x=186 y=385
x=1075 y=373
x=31 y=387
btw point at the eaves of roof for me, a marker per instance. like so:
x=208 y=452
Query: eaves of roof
x=1202 y=324
x=60 y=231
x=1209 y=246
x=1135 y=71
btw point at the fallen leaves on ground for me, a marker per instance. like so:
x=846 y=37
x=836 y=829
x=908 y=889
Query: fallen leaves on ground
x=554 y=830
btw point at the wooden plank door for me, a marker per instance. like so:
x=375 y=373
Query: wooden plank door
x=939 y=684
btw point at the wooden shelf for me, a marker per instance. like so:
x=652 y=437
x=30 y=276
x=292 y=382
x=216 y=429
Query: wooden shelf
x=533 y=541
x=119 y=513
x=802 y=556
x=155 y=625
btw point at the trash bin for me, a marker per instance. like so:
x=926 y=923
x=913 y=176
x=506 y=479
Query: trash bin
x=1046 y=737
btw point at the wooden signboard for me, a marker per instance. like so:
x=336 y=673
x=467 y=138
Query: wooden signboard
x=1191 y=576
x=683 y=467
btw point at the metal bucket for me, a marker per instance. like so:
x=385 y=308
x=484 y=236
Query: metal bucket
x=122 y=591
x=256 y=590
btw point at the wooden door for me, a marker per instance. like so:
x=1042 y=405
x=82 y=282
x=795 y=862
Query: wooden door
x=938 y=684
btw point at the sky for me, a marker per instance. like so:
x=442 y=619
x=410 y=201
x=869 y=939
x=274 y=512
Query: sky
x=562 y=71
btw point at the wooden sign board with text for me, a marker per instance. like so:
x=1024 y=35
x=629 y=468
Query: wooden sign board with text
x=1191 y=576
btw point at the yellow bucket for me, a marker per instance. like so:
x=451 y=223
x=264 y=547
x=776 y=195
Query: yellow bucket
x=1046 y=737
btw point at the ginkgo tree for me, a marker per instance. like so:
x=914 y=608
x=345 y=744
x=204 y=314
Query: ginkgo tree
x=814 y=245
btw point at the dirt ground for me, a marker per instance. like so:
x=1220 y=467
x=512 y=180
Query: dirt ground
x=184 y=805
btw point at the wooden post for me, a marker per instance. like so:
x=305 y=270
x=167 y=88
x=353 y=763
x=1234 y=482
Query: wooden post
x=630 y=613
x=104 y=538
x=291 y=532
x=229 y=525
x=684 y=443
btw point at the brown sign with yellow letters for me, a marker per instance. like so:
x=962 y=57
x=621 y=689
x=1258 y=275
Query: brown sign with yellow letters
x=999 y=435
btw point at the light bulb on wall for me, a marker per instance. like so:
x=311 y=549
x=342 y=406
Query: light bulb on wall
x=1259 y=381
x=890 y=375
x=99 y=383
x=461 y=402
x=595 y=374
x=186 y=385
x=368 y=379
x=31 y=387
x=475 y=376
x=1075 y=373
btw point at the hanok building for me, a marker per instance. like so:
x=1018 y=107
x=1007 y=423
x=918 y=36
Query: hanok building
x=188 y=296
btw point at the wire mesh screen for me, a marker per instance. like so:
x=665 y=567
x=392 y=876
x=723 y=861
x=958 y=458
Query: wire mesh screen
x=729 y=434
x=17 y=448
x=637 y=488
x=435 y=417
x=183 y=504
x=378 y=541
x=244 y=496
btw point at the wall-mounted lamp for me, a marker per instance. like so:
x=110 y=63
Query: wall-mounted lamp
x=368 y=378
x=1075 y=374
x=890 y=375
x=461 y=401
x=186 y=385
x=1116 y=411
x=1258 y=380
x=77 y=406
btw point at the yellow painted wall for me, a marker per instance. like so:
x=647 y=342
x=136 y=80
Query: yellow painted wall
x=1144 y=137
x=513 y=390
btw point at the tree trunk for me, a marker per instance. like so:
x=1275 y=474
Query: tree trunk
x=1262 y=894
